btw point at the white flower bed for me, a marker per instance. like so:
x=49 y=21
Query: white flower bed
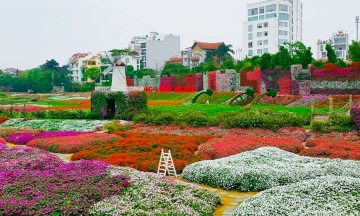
x=265 y=168
x=153 y=194
x=54 y=125
x=327 y=195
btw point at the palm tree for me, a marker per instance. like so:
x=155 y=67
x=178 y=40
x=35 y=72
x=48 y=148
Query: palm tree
x=50 y=65
x=224 y=51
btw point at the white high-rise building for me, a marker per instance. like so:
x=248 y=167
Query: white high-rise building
x=339 y=41
x=271 y=23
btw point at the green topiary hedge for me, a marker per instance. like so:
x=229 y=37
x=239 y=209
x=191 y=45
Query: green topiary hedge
x=126 y=104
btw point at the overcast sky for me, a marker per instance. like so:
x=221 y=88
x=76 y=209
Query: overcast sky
x=32 y=31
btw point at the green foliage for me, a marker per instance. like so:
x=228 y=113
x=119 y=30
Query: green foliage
x=116 y=125
x=76 y=87
x=281 y=58
x=171 y=96
x=341 y=63
x=247 y=118
x=342 y=122
x=209 y=56
x=93 y=73
x=208 y=92
x=318 y=64
x=216 y=98
x=126 y=105
x=300 y=54
x=224 y=51
x=49 y=65
x=331 y=56
x=174 y=68
x=354 y=51
x=321 y=126
x=302 y=76
x=228 y=64
x=265 y=61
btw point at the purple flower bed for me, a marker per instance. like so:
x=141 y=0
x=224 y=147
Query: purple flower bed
x=23 y=138
x=70 y=189
x=21 y=158
x=3 y=146
x=306 y=100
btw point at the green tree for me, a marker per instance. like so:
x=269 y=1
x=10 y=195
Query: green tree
x=341 y=63
x=331 y=56
x=300 y=53
x=281 y=58
x=228 y=64
x=354 y=51
x=1 y=72
x=265 y=61
x=224 y=51
x=174 y=68
x=93 y=73
x=49 y=65
x=209 y=56
x=210 y=66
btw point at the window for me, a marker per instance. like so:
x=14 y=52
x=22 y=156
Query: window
x=270 y=15
x=250 y=36
x=266 y=42
x=340 y=40
x=266 y=25
x=260 y=42
x=281 y=41
x=266 y=50
x=281 y=32
x=283 y=8
x=281 y=23
x=253 y=12
x=286 y=33
x=261 y=10
x=250 y=45
x=259 y=34
x=284 y=16
x=271 y=8
x=259 y=25
x=250 y=53
x=266 y=33
x=253 y=19
x=285 y=41
x=285 y=24
x=250 y=28
x=259 y=51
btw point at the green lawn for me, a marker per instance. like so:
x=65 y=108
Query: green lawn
x=55 y=103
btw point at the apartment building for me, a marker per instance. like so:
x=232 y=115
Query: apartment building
x=75 y=66
x=339 y=41
x=271 y=23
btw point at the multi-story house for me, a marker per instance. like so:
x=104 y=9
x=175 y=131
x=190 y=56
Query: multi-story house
x=272 y=23
x=155 y=49
x=198 y=52
x=340 y=43
x=11 y=71
x=94 y=61
x=75 y=66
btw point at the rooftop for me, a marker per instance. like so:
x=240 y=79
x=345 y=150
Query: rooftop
x=208 y=46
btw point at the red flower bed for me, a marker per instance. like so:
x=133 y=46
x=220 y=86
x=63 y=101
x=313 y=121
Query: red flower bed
x=3 y=119
x=330 y=67
x=330 y=148
x=18 y=109
x=279 y=99
x=355 y=66
x=6 y=132
x=232 y=145
x=142 y=150
x=72 y=144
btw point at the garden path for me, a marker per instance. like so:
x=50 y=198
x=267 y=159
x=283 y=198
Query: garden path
x=230 y=199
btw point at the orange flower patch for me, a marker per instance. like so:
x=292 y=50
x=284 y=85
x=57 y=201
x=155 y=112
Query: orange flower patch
x=142 y=150
x=85 y=104
x=338 y=101
x=163 y=103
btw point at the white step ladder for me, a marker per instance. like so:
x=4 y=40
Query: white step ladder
x=166 y=164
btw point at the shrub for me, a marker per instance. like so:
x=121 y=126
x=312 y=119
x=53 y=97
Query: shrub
x=266 y=168
x=342 y=122
x=142 y=150
x=330 y=148
x=328 y=195
x=320 y=126
x=231 y=145
x=20 y=158
x=116 y=125
x=73 y=143
x=70 y=189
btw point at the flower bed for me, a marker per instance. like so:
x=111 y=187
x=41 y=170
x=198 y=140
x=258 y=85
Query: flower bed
x=265 y=168
x=142 y=150
x=279 y=99
x=72 y=144
x=6 y=132
x=153 y=194
x=70 y=189
x=17 y=109
x=306 y=100
x=338 y=101
x=21 y=158
x=54 y=125
x=328 y=195
x=232 y=145
x=23 y=138
x=332 y=148
x=3 y=119
x=83 y=104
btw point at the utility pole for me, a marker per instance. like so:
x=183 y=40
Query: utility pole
x=357 y=28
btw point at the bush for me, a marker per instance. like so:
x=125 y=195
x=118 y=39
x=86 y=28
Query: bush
x=342 y=122
x=232 y=145
x=320 y=126
x=72 y=144
x=116 y=125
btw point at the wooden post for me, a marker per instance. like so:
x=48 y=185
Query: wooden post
x=312 y=108
x=331 y=105
x=351 y=101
